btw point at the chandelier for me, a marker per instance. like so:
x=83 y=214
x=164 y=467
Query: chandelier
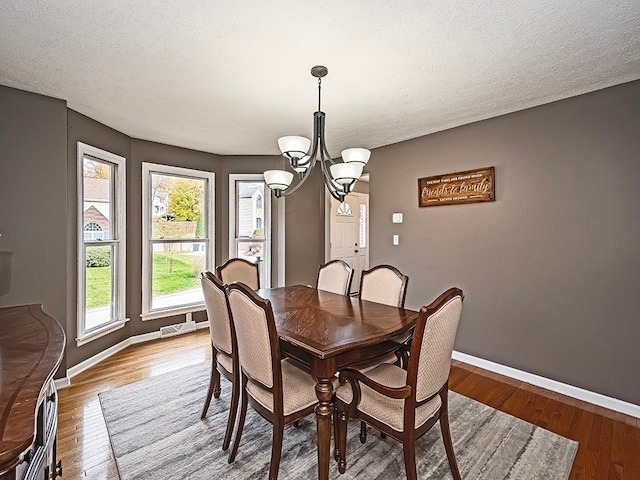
x=339 y=177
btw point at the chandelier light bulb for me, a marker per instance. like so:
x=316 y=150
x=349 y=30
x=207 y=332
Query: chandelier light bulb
x=293 y=146
x=346 y=173
x=356 y=155
x=278 y=179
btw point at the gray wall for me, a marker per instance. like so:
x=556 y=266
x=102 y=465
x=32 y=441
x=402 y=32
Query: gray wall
x=551 y=269
x=304 y=234
x=38 y=193
x=33 y=198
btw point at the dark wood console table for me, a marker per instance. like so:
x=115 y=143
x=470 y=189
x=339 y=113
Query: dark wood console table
x=31 y=349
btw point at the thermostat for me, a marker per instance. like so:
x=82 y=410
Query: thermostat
x=396 y=218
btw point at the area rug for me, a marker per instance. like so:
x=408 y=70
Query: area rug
x=156 y=432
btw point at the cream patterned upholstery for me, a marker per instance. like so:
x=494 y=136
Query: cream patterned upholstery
x=437 y=346
x=240 y=270
x=389 y=358
x=225 y=360
x=252 y=334
x=383 y=284
x=218 y=314
x=389 y=411
x=335 y=277
x=298 y=385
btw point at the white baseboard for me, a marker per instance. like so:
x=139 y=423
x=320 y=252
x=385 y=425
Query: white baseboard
x=96 y=359
x=63 y=382
x=553 y=385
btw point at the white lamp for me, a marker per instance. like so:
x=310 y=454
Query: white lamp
x=356 y=155
x=278 y=180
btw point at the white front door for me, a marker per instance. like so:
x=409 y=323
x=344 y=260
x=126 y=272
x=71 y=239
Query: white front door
x=349 y=226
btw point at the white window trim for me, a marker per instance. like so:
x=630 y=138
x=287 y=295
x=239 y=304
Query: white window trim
x=120 y=260
x=267 y=224
x=147 y=169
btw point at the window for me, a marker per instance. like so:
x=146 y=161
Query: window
x=93 y=231
x=177 y=236
x=249 y=223
x=101 y=242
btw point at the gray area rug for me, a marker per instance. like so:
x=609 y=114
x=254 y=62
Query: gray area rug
x=156 y=432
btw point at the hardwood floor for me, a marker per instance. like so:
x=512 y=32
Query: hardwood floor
x=609 y=441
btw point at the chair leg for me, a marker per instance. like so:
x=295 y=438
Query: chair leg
x=233 y=410
x=409 y=451
x=276 y=450
x=363 y=432
x=448 y=444
x=336 y=432
x=341 y=440
x=214 y=387
x=243 y=414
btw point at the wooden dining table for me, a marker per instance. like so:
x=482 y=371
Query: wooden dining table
x=328 y=332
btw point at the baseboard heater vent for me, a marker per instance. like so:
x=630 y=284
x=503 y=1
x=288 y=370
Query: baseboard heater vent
x=177 y=329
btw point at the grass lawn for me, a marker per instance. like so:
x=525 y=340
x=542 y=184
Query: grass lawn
x=171 y=273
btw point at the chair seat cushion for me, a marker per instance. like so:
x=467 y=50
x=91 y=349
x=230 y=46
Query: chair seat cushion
x=389 y=411
x=225 y=360
x=389 y=358
x=298 y=386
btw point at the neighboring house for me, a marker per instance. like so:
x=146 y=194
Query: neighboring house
x=96 y=208
x=250 y=210
x=160 y=204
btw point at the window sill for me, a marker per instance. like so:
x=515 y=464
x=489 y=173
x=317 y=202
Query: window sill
x=170 y=312
x=101 y=332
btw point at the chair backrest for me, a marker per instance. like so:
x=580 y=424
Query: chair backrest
x=257 y=339
x=335 y=276
x=239 y=270
x=215 y=299
x=432 y=344
x=384 y=284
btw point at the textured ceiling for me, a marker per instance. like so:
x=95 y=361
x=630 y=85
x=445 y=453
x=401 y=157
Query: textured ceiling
x=230 y=77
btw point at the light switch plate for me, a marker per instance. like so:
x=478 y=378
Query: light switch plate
x=396 y=218
x=396 y=239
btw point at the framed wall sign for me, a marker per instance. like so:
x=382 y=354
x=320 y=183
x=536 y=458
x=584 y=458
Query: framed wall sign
x=460 y=187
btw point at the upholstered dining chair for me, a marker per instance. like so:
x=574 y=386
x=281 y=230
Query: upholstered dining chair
x=383 y=284
x=335 y=276
x=405 y=404
x=277 y=389
x=239 y=270
x=224 y=359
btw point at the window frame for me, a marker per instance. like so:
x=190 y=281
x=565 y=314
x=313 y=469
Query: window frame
x=118 y=241
x=266 y=218
x=148 y=169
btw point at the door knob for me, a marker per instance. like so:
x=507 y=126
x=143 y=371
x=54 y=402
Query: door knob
x=356 y=251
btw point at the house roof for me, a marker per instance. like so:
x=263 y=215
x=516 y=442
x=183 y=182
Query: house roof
x=232 y=77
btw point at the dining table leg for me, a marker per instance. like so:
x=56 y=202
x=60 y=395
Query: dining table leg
x=324 y=410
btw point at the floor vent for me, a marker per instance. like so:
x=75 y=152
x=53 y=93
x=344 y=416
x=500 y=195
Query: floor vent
x=177 y=329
